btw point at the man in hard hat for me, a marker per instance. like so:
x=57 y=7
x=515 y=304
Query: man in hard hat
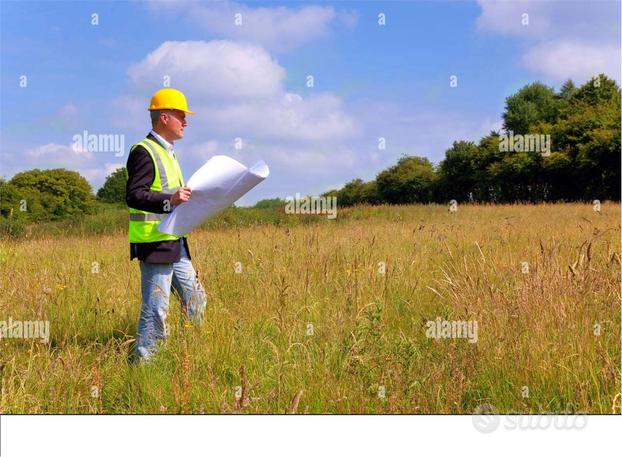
x=155 y=185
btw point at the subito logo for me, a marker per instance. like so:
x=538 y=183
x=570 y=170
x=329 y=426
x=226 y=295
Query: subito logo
x=485 y=420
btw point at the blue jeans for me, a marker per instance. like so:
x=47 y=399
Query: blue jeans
x=156 y=280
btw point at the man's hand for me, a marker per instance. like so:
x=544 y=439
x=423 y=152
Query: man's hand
x=181 y=196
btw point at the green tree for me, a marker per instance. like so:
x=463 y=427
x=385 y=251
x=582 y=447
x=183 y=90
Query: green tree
x=22 y=204
x=358 y=192
x=588 y=133
x=113 y=190
x=531 y=105
x=411 y=180
x=458 y=171
x=52 y=194
x=599 y=90
x=567 y=90
x=584 y=160
x=556 y=168
x=516 y=177
x=271 y=203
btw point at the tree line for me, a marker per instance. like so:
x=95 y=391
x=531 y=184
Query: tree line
x=554 y=146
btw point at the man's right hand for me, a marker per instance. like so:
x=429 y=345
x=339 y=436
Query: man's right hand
x=181 y=196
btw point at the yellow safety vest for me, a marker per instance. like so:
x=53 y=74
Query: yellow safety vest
x=168 y=178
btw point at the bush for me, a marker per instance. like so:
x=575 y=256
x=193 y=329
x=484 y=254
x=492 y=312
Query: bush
x=12 y=228
x=113 y=190
x=47 y=195
x=270 y=203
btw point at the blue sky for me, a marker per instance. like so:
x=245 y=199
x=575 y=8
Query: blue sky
x=249 y=80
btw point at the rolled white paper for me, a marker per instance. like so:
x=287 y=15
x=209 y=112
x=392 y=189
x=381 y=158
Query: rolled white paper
x=219 y=183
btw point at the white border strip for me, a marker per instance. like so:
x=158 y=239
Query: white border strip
x=302 y=435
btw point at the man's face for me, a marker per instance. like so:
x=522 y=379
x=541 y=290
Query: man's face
x=173 y=122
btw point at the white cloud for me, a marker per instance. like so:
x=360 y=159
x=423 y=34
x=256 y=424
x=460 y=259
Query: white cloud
x=211 y=70
x=276 y=28
x=508 y=17
x=204 y=150
x=579 y=61
x=58 y=153
x=563 y=39
x=236 y=90
x=111 y=167
x=313 y=161
x=289 y=117
x=97 y=175
x=584 y=20
x=68 y=156
x=94 y=175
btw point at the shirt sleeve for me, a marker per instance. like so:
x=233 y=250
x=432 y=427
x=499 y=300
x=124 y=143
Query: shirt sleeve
x=141 y=173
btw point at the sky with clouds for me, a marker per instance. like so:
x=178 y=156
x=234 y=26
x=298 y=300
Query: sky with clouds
x=245 y=69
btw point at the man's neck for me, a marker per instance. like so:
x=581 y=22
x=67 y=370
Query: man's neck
x=163 y=136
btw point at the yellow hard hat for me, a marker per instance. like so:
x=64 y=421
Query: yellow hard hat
x=169 y=99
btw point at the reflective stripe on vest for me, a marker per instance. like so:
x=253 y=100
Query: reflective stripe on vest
x=158 y=160
x=147 y=217
x=143 y=224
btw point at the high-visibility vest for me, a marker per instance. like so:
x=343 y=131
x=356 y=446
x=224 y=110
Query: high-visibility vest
x=168 y=178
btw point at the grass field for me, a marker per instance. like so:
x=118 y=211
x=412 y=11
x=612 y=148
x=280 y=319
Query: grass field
x=331 y=317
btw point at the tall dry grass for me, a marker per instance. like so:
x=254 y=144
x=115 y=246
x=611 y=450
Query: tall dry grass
x=311 y=324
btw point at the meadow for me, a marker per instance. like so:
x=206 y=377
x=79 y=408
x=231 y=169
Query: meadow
x=330 y=316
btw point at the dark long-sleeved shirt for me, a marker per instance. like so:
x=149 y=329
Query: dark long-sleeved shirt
x=141 y=173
